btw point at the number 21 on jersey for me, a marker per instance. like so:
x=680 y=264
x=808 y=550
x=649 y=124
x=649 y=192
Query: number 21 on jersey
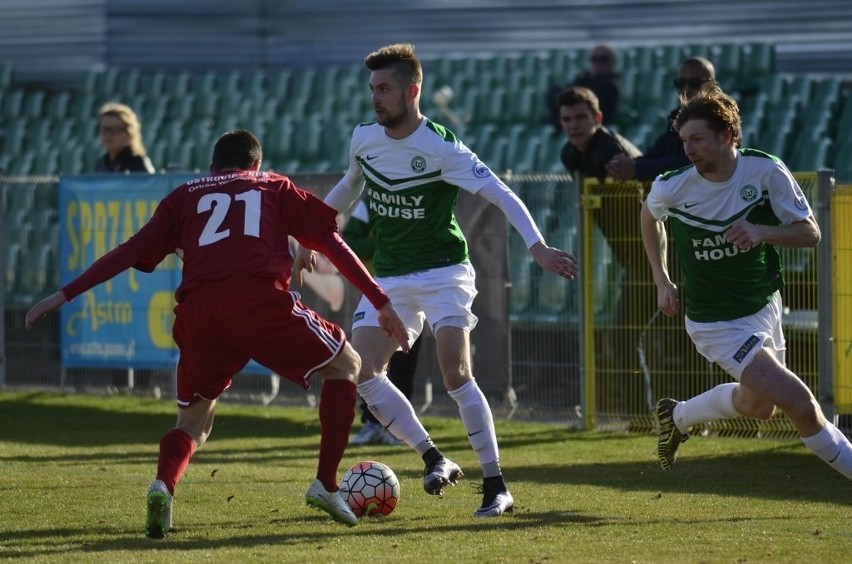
x=251 y=215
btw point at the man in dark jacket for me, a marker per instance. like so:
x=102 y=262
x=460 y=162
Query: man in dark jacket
x=590 y=145
x=695 y=74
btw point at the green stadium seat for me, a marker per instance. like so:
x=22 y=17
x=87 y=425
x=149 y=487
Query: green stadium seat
x=129 y=84
x=758 y=63
x=178 y=84
x=83 y=108
x=207 y=81
x=279 y=82
x=811 y=154
x=668 y=58
x=726 y=58
x=230 y=82
x=57 y=107
x=106 y=83
x=7 y=75
x=71 y=160
x=13 y=103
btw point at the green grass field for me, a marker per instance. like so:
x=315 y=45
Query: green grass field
x=74 y=471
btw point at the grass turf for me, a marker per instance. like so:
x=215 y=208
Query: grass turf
x=74 y=471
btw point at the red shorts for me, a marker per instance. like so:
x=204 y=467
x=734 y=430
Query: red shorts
x=218 y=331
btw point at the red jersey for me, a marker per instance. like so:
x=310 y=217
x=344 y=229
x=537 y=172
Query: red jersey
x=232 y=227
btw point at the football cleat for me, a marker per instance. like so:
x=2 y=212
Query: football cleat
x=332 y=503
x=442 y=473
x=494 y=502
x=159 y=519
x=670 y=436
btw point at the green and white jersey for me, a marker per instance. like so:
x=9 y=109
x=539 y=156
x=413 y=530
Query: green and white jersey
x=412 y=186
x=722 y=281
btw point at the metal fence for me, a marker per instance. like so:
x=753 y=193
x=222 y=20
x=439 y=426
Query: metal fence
x=591 y=353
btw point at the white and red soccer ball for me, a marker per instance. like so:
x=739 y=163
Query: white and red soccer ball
x=371 y=488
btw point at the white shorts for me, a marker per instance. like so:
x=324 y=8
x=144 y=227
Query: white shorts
x=442 y=297
x=733 y=344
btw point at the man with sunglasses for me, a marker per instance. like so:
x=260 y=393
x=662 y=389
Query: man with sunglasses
x=695 y=74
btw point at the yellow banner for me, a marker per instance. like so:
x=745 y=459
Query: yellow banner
x=841 y=210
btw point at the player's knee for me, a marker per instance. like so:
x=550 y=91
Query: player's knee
x=764 y=411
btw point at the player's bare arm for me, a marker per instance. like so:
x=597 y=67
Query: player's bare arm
x=49 y=304
x=798 y=234
x=654 y=240
x=555 y=260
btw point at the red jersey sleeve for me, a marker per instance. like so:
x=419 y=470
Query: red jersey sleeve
x=314 y=224
x=144 y=250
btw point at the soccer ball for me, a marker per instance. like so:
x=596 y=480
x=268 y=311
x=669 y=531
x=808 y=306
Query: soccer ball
x=370 y=488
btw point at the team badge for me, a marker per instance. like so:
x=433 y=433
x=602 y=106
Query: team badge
x=748 y=193
x=801 y=201
x=480 y=170
x=418 y=164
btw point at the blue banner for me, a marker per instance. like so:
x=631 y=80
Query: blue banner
x=127 y=321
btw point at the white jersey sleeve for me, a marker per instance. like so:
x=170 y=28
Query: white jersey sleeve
x=786 y=197
x=349 y=188
x=461 y=167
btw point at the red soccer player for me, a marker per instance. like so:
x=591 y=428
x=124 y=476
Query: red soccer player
x=233 y=305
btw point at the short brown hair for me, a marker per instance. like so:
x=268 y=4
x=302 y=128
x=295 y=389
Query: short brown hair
x=574 y=95
x=715 y=107
x=402 y=60
x=236 y=149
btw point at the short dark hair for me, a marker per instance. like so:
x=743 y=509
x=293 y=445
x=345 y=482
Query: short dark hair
x=715 y=107
x=236 y=149
x=402 y=60
x=574 y=95
x=702 y=63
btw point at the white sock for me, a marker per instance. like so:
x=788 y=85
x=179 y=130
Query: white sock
x=479 y=423
x=394 y=411
x=831 y=445
x=716 y=403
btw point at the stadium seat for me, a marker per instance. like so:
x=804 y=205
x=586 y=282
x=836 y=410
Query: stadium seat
x=758 y=63
x=810 y=154
x=7 y=74
x=128 y=84
x=13 y=103
x=57 y=107
x=726 y=58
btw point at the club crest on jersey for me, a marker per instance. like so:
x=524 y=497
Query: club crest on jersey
x=418 y=164
x=749 y=193
x=801 y=201
x=480 y=170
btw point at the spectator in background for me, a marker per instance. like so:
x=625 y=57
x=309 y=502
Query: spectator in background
x=590 y=146
x=601 y=78
x=401 y=367
x=121 y=138
x=694 y=75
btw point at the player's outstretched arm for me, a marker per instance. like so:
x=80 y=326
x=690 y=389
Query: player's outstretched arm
x=392 y=325
x=555 y=260
x=49 y=304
